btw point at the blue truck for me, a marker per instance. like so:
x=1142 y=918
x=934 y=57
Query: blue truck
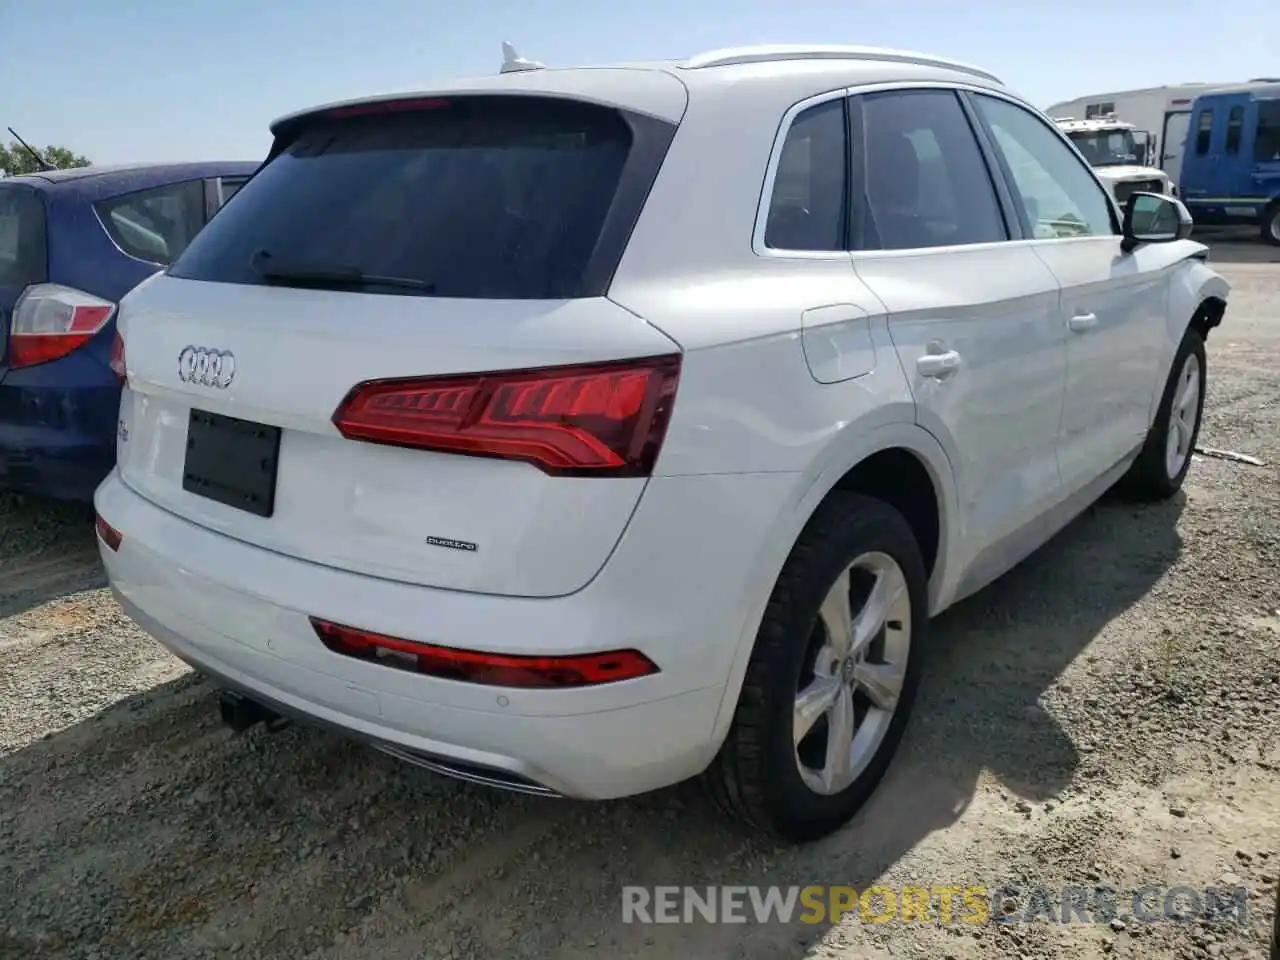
x=1231 y=161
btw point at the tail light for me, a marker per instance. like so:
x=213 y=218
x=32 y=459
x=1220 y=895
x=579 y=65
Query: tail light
x=51 y=321
x=491 y=669
x=605 y=419
x=117 y=358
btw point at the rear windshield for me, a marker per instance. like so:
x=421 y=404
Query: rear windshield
x=23 y=252
x=476 y=197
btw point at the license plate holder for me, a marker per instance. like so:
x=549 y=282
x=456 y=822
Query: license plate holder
x=232 y=461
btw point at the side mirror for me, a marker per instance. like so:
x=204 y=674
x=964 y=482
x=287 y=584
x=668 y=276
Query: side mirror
x=1154 y=218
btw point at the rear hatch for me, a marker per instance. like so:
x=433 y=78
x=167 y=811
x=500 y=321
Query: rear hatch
x=23 y=252
x=415 y=245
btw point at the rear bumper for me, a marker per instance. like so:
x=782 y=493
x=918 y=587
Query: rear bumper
x=240 y=613
x=58 y=428
x=615 y=753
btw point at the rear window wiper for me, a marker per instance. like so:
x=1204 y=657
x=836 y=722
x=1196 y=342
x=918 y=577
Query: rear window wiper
x=336 y=275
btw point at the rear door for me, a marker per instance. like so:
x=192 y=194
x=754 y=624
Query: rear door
x=461 y=239
x=24 y=256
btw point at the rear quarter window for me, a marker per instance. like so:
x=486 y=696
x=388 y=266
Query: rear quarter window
x=155 y=224
x=23 y=243
x=506 y=197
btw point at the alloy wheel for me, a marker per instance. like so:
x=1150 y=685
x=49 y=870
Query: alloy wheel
x=849 y=692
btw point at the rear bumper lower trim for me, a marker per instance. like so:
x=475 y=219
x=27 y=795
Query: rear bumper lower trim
x=512 y=775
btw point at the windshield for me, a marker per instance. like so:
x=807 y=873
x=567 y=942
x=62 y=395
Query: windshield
x=1109 y=148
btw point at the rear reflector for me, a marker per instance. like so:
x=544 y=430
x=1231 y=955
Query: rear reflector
x=107 y=533
x=491 y=669
x=605 y=419
x=50 y=321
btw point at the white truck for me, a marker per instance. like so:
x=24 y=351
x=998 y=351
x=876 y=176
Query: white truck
x=1164 y=111
x=1119 y=153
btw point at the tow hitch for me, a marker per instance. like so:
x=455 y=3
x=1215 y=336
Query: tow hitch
x=240 y=713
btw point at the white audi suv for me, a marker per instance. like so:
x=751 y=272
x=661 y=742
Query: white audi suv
x=583 y=431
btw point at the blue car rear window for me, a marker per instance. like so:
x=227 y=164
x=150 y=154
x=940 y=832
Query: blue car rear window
x=23 y=249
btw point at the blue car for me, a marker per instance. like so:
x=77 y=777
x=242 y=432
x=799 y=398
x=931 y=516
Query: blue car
x=72 y=243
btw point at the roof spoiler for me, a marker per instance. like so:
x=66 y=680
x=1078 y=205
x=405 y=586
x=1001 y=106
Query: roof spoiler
x=512 y=62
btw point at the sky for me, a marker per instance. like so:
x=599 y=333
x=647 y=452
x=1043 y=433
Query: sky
x=153 y=80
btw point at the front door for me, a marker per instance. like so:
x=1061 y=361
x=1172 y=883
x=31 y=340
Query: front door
x=972 y=314
x=1112 y=303
x=1203 y=152
x=1173 y=143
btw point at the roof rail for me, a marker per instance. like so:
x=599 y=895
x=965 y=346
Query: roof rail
x=798 y=51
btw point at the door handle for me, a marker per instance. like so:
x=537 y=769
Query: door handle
x=938 y=365
x=1083 y=321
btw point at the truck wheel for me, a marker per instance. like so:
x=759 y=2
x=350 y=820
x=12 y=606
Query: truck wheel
x=1271 y=224
x=832 y=677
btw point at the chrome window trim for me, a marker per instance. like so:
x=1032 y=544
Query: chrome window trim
x=760 y=249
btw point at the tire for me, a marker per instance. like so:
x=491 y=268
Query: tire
x=1271 y=224
x=1157 y=474
x=758 y=776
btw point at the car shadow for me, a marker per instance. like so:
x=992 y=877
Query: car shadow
x=150 y=828
x=48 y=549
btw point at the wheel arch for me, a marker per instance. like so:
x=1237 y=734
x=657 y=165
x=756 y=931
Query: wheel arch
x=1265 y=220
x=863 y=461
x=1198 y=297
x=1208 y=314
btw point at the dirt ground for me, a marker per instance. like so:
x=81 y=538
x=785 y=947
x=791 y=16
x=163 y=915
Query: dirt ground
x=1104 y=716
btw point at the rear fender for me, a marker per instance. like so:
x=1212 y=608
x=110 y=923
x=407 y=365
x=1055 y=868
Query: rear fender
x=854 y=444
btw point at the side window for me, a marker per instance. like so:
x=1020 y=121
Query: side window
x=1099 y=110
x=155 y=224
x=1204 y=131
x=926 y=183
x=1235 y=127
x=1266 y=147
x=807 y=209
x=229 y=186
x=1058 y=193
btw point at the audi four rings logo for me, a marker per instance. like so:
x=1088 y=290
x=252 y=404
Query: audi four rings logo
x=206 y=367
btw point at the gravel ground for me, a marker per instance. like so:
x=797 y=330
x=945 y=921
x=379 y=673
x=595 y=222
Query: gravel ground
x=1104 y=715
